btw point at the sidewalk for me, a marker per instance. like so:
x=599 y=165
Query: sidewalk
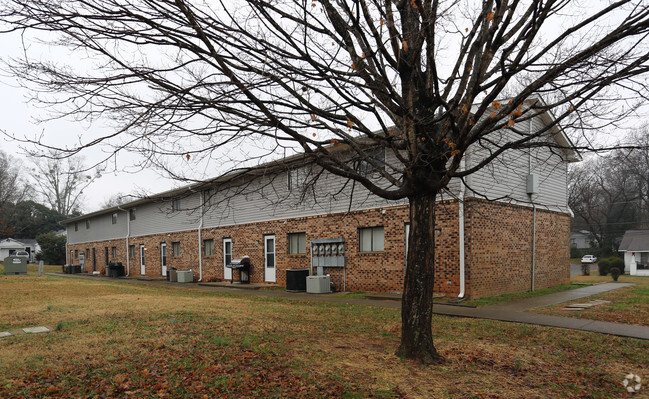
x=514 y=312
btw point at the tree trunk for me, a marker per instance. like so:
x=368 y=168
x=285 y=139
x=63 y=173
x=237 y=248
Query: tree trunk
x=417 y=302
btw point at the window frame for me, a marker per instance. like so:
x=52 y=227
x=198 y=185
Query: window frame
x=205 y=247
x=289 y=246
x=373 y=246
x=113 y=252
x=113 y=218
x=174 y=253
x=377 y=154
x=131 y=214
x=175 y=205
x=87 y=224
x=132 y=254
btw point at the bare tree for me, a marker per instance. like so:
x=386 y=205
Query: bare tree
x=61 y=181
x=13 y=185
x=422 y=79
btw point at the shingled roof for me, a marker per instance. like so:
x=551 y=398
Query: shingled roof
x=635 y=240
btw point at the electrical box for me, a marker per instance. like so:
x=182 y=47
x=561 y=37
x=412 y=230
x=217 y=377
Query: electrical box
x=15 y=265
x=185 y=276
x=318 y=284
x=532 y=183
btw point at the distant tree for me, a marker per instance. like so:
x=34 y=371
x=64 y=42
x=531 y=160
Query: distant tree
x=52 y=248
x=30 y=219
x=603 y=195
x=61 y=181
x=13 y=187
x=424 y=81
x=113 y=200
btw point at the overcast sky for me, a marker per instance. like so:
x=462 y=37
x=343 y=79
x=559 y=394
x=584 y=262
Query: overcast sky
x=19 y=118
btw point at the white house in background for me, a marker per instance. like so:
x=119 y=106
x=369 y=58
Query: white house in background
x=9 y=246
x=635 y=246
x=581 y=239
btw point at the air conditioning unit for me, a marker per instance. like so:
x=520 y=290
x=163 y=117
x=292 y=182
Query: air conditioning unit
x=185 y=276
x=318 y=284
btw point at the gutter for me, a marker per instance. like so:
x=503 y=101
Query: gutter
x=128 y=235
x=461 y=233
x=200 y=244
x=529 y=172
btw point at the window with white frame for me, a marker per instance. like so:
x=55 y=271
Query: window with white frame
x=297 y=243
x=208 y=196
x=175 y=205
x=114 y=252
x=114 y=218
x=175 y=249
x=131 y=214
x=371 y=239
x=377 y=156
x=297 y=177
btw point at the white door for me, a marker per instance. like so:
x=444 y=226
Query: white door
x=82 y=260
x=269 y=259
x=227 y=258
x=163 y=258
x=142 y=268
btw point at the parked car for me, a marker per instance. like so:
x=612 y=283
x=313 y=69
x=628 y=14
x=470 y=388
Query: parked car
x=589 y=259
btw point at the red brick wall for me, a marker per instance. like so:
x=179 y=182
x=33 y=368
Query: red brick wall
x=498 y=249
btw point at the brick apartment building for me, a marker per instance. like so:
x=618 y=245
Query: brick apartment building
x=504 y=229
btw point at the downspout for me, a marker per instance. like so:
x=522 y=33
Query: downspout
x=200 y=243
x=128 y=235
x=529 y=172
x=461 y=233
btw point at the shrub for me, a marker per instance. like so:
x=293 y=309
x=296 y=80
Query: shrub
x=604 y=267
x=617 y=262
x=615 y=273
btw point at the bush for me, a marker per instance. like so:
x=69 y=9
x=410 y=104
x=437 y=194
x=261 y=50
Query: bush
x=615 y=273
x=604 y=267
x=617 y=262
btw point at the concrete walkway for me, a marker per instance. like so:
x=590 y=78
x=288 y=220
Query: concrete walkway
x=514 y=311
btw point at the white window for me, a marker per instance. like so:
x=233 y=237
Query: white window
x=208 y=196
x=377 y=155
x=114 y=218
x=114 y=252
x=175 y=249
x=297 y=243
x=175 y=205
x=131 y=214
x=371 y=239
x=297 y=178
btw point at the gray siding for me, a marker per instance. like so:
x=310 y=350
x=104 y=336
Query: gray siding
x=101 y=228
x=505 y=178
x=267 y=197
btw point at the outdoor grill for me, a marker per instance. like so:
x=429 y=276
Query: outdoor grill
x=243 y=266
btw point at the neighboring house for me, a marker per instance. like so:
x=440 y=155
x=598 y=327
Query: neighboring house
x=581 y=239
x=635 y=246
x=10 y=246
x=484 y=247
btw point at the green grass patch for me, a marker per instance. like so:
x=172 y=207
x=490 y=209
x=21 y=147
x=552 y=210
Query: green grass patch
x=497 y=300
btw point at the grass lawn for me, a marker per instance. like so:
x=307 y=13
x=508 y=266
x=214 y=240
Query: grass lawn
x=628 y=305
x=118 y=339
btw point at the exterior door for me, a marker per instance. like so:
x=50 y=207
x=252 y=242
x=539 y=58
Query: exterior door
x=227 y=258
x=163 y=258
x=82 y=260
x=94 y=260
x=269 y=259
x=142 y=268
